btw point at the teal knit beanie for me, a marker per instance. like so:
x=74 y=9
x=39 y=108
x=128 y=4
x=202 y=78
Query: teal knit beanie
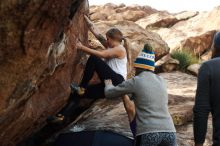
x=146 y=59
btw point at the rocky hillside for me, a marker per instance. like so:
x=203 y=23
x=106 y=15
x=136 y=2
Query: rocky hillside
x=38 y=61
x=136 y=35
x=194 y=34
x=186 y=30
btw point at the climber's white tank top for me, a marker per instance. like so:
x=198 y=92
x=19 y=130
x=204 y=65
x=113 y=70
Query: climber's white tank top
x=119 y=65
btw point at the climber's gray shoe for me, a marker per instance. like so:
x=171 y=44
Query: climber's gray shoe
x=58 y=119
x=76 y=88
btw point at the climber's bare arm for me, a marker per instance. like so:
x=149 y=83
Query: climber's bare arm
x=95 y=31
x=128 y=104
x=129 y=107
x=109 y=53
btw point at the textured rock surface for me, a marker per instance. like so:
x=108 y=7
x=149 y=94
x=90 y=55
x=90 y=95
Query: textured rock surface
x=194 y=69
x=181 y=90
x=103 y=115
x=38 y=61
x=110 y=114
x=120 y=12
x=167 y=64
x=185 y=134
x=163 y=19
x=186 y=15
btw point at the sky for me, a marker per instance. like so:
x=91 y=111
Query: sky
x=169 y=5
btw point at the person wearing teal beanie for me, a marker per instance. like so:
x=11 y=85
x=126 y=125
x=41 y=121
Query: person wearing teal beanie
x=146 y=59
x=154 y=124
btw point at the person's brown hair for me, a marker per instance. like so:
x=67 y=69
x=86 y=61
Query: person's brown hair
x=117 y=35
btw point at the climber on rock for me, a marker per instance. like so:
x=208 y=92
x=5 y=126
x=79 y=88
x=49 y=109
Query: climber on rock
x=154 y=123
x=110 y=63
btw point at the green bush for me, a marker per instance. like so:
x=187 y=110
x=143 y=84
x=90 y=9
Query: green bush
x=185 y=58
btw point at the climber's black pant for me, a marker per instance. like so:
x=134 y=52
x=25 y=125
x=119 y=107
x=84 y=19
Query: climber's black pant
x=95 y=64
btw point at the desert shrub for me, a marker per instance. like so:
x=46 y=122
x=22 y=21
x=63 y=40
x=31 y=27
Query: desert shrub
x=185 y=58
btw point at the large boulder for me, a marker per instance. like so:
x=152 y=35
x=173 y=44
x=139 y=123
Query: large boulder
x=167 y=64
x=38 y=61
x=98 y=13
x=185 y=15
x=194 y=69
x=198 y=45
x=133 y=15
x=98 y=16
x=195 y=34
x=147 y=9
x=162 y=19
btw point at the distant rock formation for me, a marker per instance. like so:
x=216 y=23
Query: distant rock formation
x=120 y=12
x=186 y=30
x=164 y=19
x=194 y=34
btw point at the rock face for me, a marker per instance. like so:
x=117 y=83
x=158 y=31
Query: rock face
x=38 y=61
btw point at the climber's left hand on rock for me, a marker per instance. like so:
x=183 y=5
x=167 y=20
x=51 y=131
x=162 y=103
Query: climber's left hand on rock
x=79 y=45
